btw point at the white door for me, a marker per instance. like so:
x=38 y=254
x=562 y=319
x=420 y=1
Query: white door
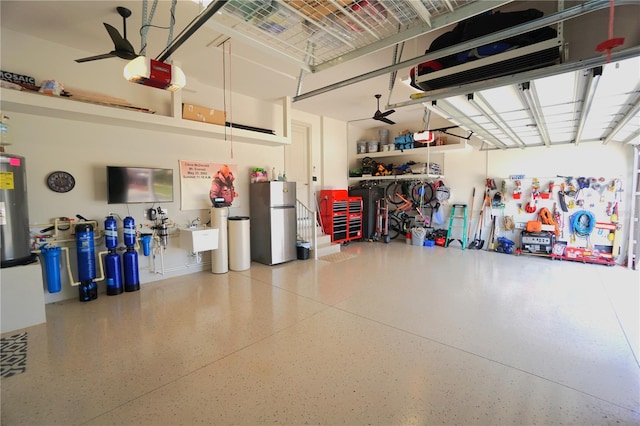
x=296 y=162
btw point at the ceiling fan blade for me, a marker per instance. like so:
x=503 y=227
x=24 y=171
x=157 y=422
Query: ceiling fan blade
x=386 y=120
x=379 y=114
x=123 y=54
x=120 y=44
x=95 y=58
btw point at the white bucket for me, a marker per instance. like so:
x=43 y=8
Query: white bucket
x=417 y=236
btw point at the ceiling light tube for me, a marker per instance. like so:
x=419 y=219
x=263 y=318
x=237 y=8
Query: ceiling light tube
x=632 y=137
x=530 y=99
x=444 y=108
x=623 y=121
x=485 y=109
x=587 y=101
x=463 y=120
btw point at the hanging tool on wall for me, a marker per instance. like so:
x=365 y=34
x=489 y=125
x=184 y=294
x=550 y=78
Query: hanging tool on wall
x=473 y=198
x=478 y=242
x=492 y=233
x=561 y=200
x=558 y=218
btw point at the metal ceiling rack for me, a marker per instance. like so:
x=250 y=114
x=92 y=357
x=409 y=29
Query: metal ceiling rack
x=340 y=30
x=317 y=34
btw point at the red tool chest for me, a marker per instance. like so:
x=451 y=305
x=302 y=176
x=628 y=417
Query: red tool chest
x=341 y=215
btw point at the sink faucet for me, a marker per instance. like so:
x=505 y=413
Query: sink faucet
x=194 y=223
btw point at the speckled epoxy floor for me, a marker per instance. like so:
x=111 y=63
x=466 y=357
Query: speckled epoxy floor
x=396 y=334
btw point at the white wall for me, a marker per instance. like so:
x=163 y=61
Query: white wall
x=334 y=162
x=85 y=148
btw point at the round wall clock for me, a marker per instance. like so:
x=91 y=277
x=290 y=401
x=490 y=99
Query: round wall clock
x=60 y=181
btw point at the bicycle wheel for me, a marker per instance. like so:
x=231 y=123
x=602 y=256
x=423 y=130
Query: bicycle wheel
x=395 y=227
x=422 y=193
x=393 y=190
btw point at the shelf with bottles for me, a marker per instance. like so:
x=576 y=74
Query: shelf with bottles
x=413 y=166
x=427 y=150
x=406 y=176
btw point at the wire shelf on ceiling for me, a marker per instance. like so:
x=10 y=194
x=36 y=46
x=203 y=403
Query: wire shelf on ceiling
x=315 y=32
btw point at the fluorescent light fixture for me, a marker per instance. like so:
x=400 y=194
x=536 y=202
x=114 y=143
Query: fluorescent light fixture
x=587 y=100
x=633 y=112
x=487 y=110
x=530 y=99
x=449 y=112
x=149 y=72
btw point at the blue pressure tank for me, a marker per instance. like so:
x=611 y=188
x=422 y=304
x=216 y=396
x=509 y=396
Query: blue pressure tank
x=113 y=272
x=130 y=264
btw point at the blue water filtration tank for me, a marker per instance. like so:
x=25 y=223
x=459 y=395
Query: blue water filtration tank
x=130 y=264
x=129 y=231
x=113 y=270
x=146 y=244
x=85 y=250
x=110 y=233
x=51 y=256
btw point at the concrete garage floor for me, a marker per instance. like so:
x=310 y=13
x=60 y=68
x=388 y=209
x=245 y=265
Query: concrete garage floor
x=386 y=334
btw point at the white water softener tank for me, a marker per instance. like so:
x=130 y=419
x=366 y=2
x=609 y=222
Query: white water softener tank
x=220 y=256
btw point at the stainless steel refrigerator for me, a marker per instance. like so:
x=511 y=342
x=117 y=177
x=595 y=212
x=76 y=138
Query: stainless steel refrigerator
x=273 y=222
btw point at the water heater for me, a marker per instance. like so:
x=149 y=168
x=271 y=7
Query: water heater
x=14 y=212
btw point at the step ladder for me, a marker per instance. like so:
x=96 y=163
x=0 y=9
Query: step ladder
x=454 y=224
x=633 y=243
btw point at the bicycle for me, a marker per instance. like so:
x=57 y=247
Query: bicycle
x=401 y=222
x=419 y=191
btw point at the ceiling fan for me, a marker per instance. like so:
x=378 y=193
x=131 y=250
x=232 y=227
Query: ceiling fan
x=122 y=47
x=382 y=116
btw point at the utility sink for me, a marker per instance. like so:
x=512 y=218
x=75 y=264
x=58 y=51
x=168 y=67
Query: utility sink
x=199 y=239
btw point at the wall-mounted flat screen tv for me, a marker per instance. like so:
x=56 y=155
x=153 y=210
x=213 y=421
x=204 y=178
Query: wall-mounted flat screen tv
x=139 y=185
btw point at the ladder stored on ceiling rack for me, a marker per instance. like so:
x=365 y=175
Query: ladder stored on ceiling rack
x=633 y=250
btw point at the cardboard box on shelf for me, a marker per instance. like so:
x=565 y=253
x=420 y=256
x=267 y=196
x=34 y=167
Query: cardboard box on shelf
x=203 y=114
